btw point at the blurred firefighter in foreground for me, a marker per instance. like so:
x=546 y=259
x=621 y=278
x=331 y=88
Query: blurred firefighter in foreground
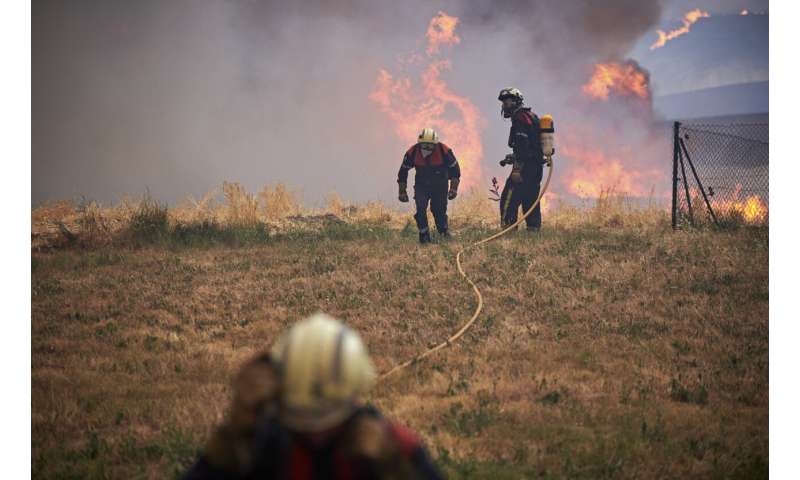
x=297 y=413
x=527 y=161
x=435 y=164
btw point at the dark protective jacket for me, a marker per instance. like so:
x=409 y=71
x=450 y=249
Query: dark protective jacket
x=525 y=137
x=433 y=170
x=366 y=446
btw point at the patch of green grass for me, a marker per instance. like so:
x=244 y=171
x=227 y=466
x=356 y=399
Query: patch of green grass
x=639 y=328
x=586 y=359
x=150 y=343
x=682 y=348
x=85 y=461
x=45 y=287
x=470 y=423
x=680 y=393
x=551 y=398
x=237 y=266
x=321 y=265
x=471 y=468
x=91 y=459
x=341 y=231
x=108 y=258
x=704 y=286
x=752 y=467
x=106 y=330
x=759 y=293
x=207 y=234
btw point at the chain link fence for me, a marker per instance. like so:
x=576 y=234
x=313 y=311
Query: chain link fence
x=720 y=174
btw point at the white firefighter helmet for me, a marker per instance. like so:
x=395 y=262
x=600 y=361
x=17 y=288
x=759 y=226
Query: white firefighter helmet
x=514 y=94
x=324 y=369
x=510 y=92
x=428 y=135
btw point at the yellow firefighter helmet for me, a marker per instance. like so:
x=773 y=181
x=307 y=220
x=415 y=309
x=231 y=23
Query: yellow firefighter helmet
x=325 y=369
x=428 y=135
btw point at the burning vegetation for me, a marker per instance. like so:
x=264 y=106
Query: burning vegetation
x=428 y=101
x=612 y=375
x=622 y=79
x=752 y=209
x=595 y=170
x=441 y=31
x=418 y=95
x=610 y=145
x=689 y=19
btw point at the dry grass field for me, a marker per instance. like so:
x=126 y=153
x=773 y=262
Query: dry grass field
x=609 y=347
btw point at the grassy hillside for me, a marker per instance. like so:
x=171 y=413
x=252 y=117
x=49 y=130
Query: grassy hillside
x=609 y=346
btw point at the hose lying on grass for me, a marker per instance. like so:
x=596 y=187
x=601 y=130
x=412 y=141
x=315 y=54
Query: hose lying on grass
x=479 y=307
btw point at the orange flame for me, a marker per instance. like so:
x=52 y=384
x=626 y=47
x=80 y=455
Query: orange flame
x=433 y=104
x=441 y=30
x=752 y=210
x=688 y=19
x=626 y=79
x=593 y=171
x=548 y=201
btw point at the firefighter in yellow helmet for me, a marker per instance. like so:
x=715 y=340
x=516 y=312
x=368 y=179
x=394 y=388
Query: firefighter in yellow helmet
x=298 y=413
x=435 y=164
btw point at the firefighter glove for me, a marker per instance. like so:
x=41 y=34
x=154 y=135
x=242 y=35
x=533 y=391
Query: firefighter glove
x=402 y=196
x=508 y=160
x=453 y=189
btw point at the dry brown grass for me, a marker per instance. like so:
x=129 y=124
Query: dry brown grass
x=609 y=347
x=278 y=202
x=205 y=209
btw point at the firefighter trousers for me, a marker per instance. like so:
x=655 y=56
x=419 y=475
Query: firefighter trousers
x=516 y=195
x=436 y=196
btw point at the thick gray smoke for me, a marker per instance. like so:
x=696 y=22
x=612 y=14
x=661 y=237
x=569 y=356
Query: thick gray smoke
x=588 y=29
x=177 y=96
x=554 y=47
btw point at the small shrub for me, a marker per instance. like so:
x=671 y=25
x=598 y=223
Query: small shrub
x=148 y=222
x=551 y=398
x=278 y=202
x=241 y=207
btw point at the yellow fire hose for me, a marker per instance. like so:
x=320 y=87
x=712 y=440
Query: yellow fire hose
x=479 y=307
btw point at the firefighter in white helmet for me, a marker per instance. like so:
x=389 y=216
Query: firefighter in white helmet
x=298 y=412
x=522 y=186
x=435 y=164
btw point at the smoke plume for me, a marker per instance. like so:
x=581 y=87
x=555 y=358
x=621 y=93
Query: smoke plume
x=178 y=96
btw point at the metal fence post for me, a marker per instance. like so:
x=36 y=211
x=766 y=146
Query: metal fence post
x=729 y=164
x=675 y=152
x=686 y=189
x=699 y=183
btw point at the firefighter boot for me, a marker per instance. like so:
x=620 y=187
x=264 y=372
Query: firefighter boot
x=425 y=237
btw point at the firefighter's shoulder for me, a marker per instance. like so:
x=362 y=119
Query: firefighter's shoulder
x=405 y=439
x=445 y=148
x=524 y=116
x=375 y=435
